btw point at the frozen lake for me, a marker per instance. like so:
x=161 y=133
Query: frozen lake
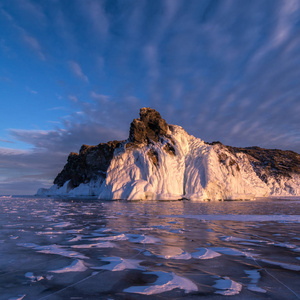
x=89 y=249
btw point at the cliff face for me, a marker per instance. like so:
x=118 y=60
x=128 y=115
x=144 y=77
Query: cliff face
x=161 y=161
x=91 y=163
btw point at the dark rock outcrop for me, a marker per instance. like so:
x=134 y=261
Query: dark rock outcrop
x=92 y=162
x=265 y=162
x=149 y=127
x=153 y=155
x=269 y=162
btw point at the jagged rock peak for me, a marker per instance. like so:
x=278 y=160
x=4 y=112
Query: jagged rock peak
x=149 y=127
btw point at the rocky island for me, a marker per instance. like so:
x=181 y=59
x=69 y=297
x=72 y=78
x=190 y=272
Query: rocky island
x=160 y=161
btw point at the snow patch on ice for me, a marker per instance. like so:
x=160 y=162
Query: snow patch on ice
x=236 y=239
x=205 y=253
x=32 y=277
x=76 y=266
x=53 y=249
x=62 y=224
x=164 y=283
x=119 y=264
x=143 y=239
x=170 y=253
x=119 y=237
x=19 y=297
x=75 y=239
x=254 y=275
x=231 y=251
x=227 y=287
x=95 y=245
x=282 y=265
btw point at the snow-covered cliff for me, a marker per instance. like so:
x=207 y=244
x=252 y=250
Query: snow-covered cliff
x=161 y=161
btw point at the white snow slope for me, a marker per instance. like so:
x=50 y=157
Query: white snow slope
x=195 y=172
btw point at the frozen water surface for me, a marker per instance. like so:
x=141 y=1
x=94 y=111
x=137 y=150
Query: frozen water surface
x=90 y=249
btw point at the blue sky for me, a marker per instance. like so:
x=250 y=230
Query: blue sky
x=77 y=72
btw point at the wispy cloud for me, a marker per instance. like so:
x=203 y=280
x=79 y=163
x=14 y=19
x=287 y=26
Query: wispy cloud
x=6 y=141
x=57 y=108
x=73 y=98
x=31 y=41
x=76 y=69
x=95 y=14
x=31 y=91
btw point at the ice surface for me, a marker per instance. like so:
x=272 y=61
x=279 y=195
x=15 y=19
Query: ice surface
x=164 y=249
x=165 y=282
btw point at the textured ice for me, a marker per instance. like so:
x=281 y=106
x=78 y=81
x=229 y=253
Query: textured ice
x=152 y=243
x=165 y=282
